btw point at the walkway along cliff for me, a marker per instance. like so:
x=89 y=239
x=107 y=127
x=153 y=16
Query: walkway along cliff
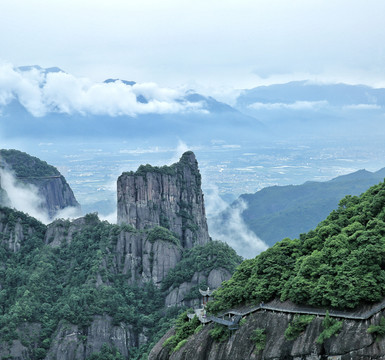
x=351 y=342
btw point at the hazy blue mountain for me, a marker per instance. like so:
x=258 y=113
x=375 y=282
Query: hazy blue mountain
x=227 y=125
x=210 y=119
x=209 y=103
x=277 y=212
x=295 y=110
x=44 y=70
x=318 y=110
x=334 y=94
x=126 y=82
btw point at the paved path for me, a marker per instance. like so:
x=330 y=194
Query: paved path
x=303 y=310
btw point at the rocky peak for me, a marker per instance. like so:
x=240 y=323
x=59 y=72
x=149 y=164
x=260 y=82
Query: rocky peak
x=167 y=196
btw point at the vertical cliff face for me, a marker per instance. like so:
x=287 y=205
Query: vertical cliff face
x=169 y=196
x=51 y=187
x=55 y=192
x=3 y=195
x=353 y=342
x=16 y=227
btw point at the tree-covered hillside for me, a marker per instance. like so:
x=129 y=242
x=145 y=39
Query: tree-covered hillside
x=340 y=264
x=25 y=165
x=70 y=282
x=276 y=212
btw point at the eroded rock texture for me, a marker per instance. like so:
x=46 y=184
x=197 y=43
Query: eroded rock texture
x=352 y=343
x=169 y=196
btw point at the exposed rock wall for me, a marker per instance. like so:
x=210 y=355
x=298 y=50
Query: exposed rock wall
x=72 y=342
x=13 y=230
x=352 y=343
x=136 y=253
x=170 y=196
x=56 y=194
x=4 y=200
x=145 y=260
x=18 y=350
x=76 y=343
x=176 y=296
x=50 y=185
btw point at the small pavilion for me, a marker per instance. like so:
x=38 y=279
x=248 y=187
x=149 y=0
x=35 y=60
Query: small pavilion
x=206 y=294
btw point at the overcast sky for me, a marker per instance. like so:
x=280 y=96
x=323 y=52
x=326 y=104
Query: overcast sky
x=210 y=43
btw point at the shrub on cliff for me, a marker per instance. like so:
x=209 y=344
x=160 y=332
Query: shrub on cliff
x=204 y=258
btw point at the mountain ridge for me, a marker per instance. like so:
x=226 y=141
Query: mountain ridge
x=276 y=212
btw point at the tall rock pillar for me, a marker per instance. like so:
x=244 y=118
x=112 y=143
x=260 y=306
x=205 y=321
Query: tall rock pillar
x=168 y=196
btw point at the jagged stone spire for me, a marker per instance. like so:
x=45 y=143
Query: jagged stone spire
x=168 y=196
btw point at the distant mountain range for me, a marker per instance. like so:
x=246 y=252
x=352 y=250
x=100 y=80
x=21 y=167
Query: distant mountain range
x=306 y=108
x=281 y=110
x=277 y=212
x=158 y=112
x=296 y=91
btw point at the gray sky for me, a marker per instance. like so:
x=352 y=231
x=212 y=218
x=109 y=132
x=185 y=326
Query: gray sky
x=214 y=44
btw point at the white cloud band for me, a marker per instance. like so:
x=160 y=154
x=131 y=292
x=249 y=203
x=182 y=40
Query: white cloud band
x=43 y=92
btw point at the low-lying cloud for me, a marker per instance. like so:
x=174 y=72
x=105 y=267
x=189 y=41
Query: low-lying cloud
x=25 y=197
x=231 y=229
x=362 y=107
x=41 y=92
x=297 y=105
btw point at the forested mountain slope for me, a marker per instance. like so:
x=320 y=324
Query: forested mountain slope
x=338 y=265
x=87 y=289
x=341 y=263
x=276 y=212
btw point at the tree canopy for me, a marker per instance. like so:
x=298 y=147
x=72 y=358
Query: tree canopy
x=339 y=264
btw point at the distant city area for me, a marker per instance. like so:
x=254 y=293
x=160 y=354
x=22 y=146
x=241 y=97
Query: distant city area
x=229 y=169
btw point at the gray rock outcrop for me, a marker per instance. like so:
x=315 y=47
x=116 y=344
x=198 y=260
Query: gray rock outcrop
x=353 y=342
x=39 y=177
x=55 y=193
x=141 y=254
x=13 y=233
x=143 y=258
x=18 y=350
x=72 y=342
x=169 y=196
x=177 y=296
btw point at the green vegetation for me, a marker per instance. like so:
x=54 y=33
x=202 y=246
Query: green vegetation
x=205 y=258
x=340 y=264
x=198 y=329
x=144 y=169
x=378 y=330
x=161 y=233
x=172 y=170
x=184 y=327
x=259 y=337
x=331 y=327
x=273 y=212
x=25 y=165
x=58 y=285
x=220 y=333
x=298 y=326
x=180 y=344
x=243 y=322
x=106 y=353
